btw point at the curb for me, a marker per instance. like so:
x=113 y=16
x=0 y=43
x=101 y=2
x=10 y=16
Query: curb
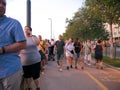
x=112 y=66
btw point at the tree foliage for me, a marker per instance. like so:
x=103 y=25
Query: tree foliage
x=109 y=11
x=88 y=21
x=84 y=26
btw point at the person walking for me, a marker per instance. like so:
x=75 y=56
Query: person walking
x=60 y=50
x=30 y=59
x=12 y=40
x=99 y=48
x=52 y=49
x=42 y=46
x=87 y=50
x=70 y=51
x=78 y=50
x=47 y=50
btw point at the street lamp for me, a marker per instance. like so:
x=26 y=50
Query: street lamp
x=50 y=26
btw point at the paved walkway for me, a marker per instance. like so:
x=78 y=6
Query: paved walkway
x=67 y=80
x=89 y=79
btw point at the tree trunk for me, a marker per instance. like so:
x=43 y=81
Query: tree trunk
x=111 y=43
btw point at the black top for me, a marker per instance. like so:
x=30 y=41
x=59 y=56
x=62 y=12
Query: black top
x=78 y=47
x=60 y=46
x=98 y=52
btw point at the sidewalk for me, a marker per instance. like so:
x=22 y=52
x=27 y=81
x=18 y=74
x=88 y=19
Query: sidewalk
x=117 y=68
x=105 y=65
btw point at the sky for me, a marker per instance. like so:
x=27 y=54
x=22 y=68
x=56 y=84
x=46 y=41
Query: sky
x=41 y=11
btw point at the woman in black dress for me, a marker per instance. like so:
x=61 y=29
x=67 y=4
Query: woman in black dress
x=99 y=54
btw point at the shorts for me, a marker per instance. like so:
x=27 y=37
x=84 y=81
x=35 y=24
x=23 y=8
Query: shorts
x=60 y=57
x=43 y=57
x=98 y=58
x=77 y=55
x=87 y=57
x=32 y=71
x=12 y=82
x=69 y=54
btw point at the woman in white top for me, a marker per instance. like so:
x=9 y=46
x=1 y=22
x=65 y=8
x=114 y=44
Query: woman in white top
x=69 y=52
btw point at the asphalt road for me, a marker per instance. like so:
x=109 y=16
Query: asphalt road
x=88 y=79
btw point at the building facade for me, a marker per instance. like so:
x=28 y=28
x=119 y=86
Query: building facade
x=116 y=31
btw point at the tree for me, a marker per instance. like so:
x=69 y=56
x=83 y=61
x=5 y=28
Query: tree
x=84 y=26
x=109 y=11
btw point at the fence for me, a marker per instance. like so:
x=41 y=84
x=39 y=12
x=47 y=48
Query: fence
x=116 y=51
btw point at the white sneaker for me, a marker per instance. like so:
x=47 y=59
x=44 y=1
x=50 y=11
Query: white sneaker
x=60 y=69
x=89 y=64
x=42 y=73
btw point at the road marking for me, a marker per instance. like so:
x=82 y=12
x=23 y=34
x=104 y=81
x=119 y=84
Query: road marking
x=98 y=82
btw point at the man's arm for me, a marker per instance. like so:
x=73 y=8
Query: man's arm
x=13 y=47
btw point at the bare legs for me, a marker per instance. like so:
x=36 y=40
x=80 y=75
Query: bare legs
x=99 y=64
x=69 y=62
x=37 y=82
x=80 y=62
x=28 y=83
x=59 y=63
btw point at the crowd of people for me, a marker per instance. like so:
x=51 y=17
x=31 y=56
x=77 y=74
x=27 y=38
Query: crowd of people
x=23 y=56
x=71 y=52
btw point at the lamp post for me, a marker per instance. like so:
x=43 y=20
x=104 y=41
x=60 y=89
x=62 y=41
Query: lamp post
x=50 y=26
x=28 y=16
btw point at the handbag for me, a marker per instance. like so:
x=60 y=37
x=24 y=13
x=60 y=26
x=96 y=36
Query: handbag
x=72 y=52
x=89 y=51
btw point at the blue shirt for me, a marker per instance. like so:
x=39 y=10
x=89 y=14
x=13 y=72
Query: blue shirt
x=10 y=32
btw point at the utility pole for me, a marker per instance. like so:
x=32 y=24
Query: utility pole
x=28 y=15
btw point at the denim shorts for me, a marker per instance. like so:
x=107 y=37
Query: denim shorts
x=77 y=55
